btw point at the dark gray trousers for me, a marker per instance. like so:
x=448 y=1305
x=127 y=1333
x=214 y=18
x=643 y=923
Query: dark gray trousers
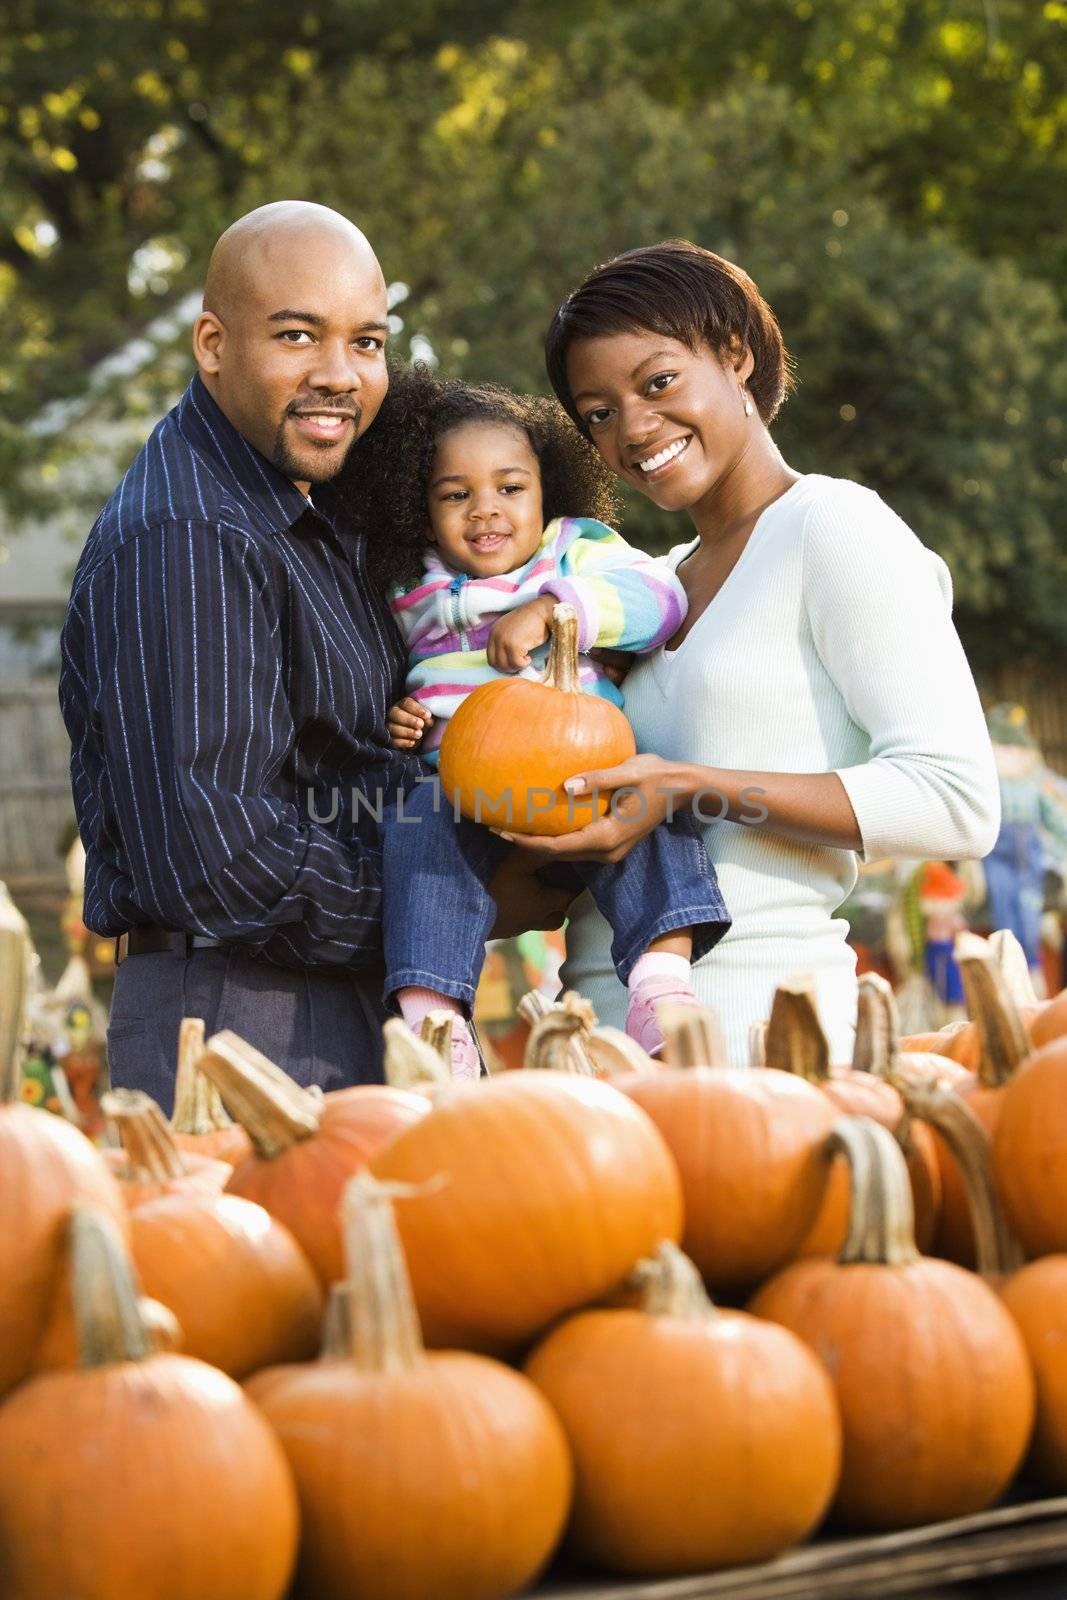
x=322 y=1026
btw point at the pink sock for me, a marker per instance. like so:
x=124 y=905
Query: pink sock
x=416 y=1003
x=656 y=964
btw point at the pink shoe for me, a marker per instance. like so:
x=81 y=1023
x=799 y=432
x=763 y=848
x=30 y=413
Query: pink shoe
x=466 y=1063
x=642 y=1025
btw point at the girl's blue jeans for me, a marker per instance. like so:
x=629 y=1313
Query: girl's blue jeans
x=437 y=909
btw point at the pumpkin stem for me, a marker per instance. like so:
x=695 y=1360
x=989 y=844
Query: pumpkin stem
x=161 y=1326
x=562 y=671
x=881 y=1222
x=997 y=1251
x=614 y=1054
x=1001 y=1033
x=671 y=1286
x=108 y=1316
x=876 y=1049
x=337 y=1323
x=16 y=955
x=411 y=1063
x=534 y=1005
x=692 y=1036
x=275 y=1112
x=147 y=1138
x=757 y=1044
x=795 y=1041
x=198 y=1106
x=384 y=1333
x=437 y=1033
x=1010 y=957
x=558 y=1041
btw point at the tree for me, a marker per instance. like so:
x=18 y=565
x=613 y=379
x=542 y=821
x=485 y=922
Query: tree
x=494 y=154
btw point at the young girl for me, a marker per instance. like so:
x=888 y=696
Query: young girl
x=482 y=510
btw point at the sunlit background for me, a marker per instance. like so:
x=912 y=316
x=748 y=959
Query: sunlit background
x=890 y=172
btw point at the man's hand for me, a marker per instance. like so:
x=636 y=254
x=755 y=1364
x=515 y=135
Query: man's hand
x=515 y=634
x=649 y=786
x=407 y=722
x=522 y=901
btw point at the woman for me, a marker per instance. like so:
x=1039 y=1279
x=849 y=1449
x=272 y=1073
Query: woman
x=816 y=702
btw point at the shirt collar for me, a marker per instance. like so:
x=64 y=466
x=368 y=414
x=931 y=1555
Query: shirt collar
x=239 y=464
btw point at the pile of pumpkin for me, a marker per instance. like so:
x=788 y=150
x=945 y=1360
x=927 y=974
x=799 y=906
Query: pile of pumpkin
x=428 y=1332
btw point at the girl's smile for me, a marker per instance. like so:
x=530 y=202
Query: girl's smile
x=485 y=499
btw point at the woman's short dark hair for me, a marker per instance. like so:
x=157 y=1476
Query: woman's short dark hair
x=684 y=292
x=382 y=490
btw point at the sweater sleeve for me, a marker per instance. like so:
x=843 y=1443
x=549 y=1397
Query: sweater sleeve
x=880 y=608
x=625 y=599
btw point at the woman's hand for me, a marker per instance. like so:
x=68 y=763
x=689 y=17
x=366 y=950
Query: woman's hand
x=514 y=635
x=651 y=796
x=407 y=721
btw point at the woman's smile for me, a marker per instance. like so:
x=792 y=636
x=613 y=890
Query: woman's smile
x=657 y=464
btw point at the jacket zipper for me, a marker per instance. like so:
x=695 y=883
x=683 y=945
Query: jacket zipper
x=454 y=587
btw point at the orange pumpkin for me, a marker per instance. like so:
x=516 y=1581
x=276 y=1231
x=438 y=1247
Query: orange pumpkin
x=1036 y=1296
x=45 y=1166
x=305 y=1146
x=1051 y=1022
x=150 y=1163
x=902 y=1337
x=1030 y=1151
x=937 y=1042
x=243 y=1291
x=200 y=1121
x=997 y=1251
x=208 y=1505
x=795 y=1042
x=994 y=1050
x=565 y=1036
x=419 y=1474
x=750 y=1147
x=660 y=1404
x=540 y=1190
x=511 y=745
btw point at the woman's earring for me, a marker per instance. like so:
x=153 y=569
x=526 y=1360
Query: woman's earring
x=748 y=402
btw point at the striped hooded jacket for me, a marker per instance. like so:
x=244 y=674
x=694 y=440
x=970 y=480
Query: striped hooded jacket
x=625 y=600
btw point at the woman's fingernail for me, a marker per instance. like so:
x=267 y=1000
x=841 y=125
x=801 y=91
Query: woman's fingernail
x=574 y=785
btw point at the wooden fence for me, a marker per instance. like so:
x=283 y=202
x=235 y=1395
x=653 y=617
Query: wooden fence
x=1043 y=691
x=35 y=804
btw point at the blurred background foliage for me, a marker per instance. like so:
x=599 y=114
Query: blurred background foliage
x=890 y=171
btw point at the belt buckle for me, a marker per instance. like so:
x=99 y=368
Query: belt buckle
x=122 y=948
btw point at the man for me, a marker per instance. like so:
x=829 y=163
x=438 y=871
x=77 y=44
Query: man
x=226 y=674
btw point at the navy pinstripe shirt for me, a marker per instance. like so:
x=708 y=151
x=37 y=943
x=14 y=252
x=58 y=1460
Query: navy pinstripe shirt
x=223 y=655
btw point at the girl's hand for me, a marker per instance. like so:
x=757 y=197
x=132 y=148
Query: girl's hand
x=614 y=663
x=514 y=635
x=652 y=791
x=407 y=722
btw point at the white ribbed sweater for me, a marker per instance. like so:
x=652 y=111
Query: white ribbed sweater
x=829 y=648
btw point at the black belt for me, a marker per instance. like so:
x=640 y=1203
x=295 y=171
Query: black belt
x=148 y=941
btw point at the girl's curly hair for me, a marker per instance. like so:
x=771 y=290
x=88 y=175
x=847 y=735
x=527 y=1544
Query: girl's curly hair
x=382 y=490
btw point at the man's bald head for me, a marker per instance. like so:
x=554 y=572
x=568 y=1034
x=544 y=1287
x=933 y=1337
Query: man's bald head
x=291 y=339
x=262 y=240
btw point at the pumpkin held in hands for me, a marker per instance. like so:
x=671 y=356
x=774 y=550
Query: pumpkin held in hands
x=512 y=743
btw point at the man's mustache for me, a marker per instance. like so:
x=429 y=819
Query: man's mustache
x=341 y=408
